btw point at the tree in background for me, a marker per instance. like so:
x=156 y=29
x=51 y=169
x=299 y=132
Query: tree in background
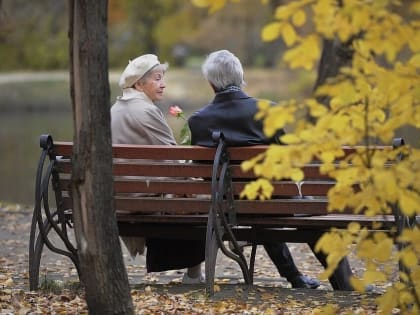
x=33 y=35
x=132 y=27
x=103 y=271
x=368 y=92
x=30 y=38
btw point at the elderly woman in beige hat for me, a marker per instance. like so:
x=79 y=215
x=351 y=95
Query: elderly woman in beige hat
x=135 y=119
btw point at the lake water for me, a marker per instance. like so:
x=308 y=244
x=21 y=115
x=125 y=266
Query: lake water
x=20 y=150
x=19 y=143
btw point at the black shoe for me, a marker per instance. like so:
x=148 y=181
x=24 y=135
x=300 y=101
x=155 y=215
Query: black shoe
x=302 y=281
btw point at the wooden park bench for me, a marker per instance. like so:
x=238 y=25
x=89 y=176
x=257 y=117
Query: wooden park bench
x=188 y=192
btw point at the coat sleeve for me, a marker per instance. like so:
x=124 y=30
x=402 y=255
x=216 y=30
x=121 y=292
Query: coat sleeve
x=156 y=128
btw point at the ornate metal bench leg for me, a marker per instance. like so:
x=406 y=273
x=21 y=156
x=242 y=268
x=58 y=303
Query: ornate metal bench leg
x=252 y=263
x=211 y=255
x=33 y=266
x=39 y=246
x=36 y=258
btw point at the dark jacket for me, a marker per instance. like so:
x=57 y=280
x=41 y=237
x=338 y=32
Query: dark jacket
x=232 y=113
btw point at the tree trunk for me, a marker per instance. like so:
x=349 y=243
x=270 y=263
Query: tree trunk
x=334 y=56
x=102 y=267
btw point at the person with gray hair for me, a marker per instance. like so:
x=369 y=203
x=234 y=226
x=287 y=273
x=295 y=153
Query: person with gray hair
x=232 y=112
x=223 y=70
x=135 y=119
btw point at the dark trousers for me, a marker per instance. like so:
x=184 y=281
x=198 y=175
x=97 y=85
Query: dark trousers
x=171 y=254
x=280 y=254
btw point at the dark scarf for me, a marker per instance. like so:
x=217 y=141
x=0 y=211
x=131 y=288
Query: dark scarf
x=228 y=89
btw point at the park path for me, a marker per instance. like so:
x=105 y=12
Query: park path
x=14 y=237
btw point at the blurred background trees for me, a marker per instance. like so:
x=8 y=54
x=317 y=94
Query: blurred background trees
x=33 y=35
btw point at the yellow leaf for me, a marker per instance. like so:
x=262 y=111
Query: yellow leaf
x=329 y=309
x=271 y=31
x=289 y=34
x=297 y=175
x=216 y=288
x=283 y=12
x=318 y=110
x=357 y=284
x=327 y=156
x=415 y=6
x=201 y=3
x=353 y=227
x=409 y=258
x=214 y=5
x=388 y=301
x=247 y=165
x=370 y=276
x=383 y=249
x=415 y=61
x=409 y=202
x=290 y=139
x=299 y=18
x=304 y=55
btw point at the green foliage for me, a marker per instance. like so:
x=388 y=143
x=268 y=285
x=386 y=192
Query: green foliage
x=173 y=30
x=378 y=93
x=34 y=35
x=31 y=39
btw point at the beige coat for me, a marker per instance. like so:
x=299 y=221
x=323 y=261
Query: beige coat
x=136 y=120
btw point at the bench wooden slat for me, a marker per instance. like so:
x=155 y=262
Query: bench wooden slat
x=124 y=186
x=158 y=152
x=184 y=152
x=157 y=218
x=281 y=206
x=315 y=221
x=158 y=204
x=196 y=186
x=175 y=169
x=195 y=205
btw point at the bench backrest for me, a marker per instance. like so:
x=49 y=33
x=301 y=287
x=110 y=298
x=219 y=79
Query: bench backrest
x=177 y=180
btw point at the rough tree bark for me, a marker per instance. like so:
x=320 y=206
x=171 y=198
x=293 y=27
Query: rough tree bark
x=334 y=56
x=102 y=268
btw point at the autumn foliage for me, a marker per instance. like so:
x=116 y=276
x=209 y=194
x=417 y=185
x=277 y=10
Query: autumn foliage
x=367 y=102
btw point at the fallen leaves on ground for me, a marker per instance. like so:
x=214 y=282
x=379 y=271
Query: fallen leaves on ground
x=269 y=295
x=151 y=301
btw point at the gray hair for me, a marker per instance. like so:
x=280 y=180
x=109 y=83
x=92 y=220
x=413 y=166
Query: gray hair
x=222 y=69
x=160 y=67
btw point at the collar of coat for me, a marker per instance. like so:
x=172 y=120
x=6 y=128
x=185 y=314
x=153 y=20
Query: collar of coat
x=221 y=97
x=131 y=93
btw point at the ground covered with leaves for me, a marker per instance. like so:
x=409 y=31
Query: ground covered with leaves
x=162 y=293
